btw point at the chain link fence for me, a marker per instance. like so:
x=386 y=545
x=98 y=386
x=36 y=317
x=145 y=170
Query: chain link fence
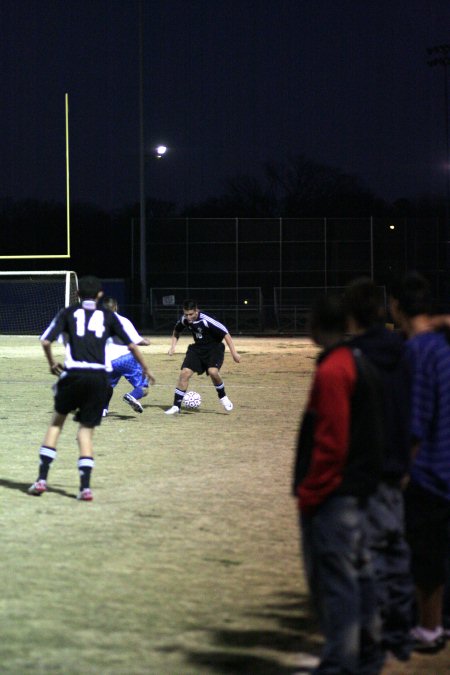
x=256 y=273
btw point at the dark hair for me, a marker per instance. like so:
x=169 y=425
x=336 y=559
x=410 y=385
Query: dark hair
x=110 y=303
x=364 y=302
x=189 y=304
x=414 y=295
x=89 y=287
x=327 y=315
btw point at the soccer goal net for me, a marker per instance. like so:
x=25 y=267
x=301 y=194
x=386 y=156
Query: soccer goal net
x=30 y=300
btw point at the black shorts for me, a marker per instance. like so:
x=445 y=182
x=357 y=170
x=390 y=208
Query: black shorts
x=86 y=392
x=201 y=357
x=427 y=518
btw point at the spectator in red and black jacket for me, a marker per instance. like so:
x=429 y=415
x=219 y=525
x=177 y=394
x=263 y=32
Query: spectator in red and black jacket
x=338 y=466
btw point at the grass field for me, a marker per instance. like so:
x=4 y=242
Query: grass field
x=187 y=561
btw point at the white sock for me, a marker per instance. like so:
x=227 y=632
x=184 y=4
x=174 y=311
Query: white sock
x=427 y=634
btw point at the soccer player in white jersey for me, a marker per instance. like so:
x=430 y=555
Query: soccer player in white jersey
x=121 y=362
x=83 y=382
x=206 y=354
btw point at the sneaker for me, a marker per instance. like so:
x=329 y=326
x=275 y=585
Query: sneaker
x=174 y=410
x=38 y=487
x=128 y=398
x=427 y=645
x=85 y=495
x=225 y=401
x=398 y=654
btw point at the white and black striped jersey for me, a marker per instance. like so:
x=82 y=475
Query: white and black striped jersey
x=205 y=329
x=86 y=329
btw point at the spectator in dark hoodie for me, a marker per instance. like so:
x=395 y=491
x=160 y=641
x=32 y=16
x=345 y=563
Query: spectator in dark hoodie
x=390 y=552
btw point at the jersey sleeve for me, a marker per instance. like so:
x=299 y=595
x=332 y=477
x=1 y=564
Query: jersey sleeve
x=56 y=327
x=179 y=327
x=117 y=329
x=130 y=329
x=216 y=328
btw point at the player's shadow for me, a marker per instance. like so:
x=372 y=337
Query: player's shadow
x=291 y=637
x=166 y=407
x=158 y=406
x=119 y=416
x=23 y=487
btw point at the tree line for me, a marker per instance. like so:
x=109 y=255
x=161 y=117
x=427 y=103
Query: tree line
x=101 y=241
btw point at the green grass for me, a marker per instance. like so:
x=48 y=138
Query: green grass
x=187 y=560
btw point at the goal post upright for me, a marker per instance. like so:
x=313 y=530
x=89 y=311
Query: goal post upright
x=68 y=296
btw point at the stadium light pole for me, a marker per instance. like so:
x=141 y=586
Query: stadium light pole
x=157 y=152
x=142 y=213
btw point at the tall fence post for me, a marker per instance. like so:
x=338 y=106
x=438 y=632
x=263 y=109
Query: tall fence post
x=187 y=281
x=371 y=247
x=280 y=260
x=237 y=271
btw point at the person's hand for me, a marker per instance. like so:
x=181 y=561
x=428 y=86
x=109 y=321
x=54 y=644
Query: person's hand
x=150 y=377
x=236 y=358
x=404 y=482
x=56 y=369
x=171 y=351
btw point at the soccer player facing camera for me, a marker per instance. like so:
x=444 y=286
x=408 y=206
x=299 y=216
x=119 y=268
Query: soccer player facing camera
x=206 y=354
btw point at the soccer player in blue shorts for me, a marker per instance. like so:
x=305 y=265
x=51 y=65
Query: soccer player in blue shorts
x=123 y=363
x=206 y=354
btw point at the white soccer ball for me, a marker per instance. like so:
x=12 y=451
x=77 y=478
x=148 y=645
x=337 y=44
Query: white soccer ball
x=192 y=399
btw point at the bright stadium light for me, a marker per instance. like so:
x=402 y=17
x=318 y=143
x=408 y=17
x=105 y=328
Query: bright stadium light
x=160 y=150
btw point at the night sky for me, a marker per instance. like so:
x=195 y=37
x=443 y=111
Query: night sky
x=229 y=84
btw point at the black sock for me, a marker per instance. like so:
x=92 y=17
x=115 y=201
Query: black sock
x=220 y=388
x=46 y=457
x=85 y=466
x=109 y=396
x=178 y=397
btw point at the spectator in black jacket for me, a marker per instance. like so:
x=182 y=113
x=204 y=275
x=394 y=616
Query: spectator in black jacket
x=390 y=553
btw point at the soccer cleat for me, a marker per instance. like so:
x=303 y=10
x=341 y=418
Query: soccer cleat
x=38 y=487
x=128 y=398
x=105 y=412
x=427 y=645
x=85 y=495
x=225 y=401
x=174 y=410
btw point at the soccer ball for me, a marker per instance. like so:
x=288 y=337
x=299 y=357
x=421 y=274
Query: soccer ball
x=192 y=399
